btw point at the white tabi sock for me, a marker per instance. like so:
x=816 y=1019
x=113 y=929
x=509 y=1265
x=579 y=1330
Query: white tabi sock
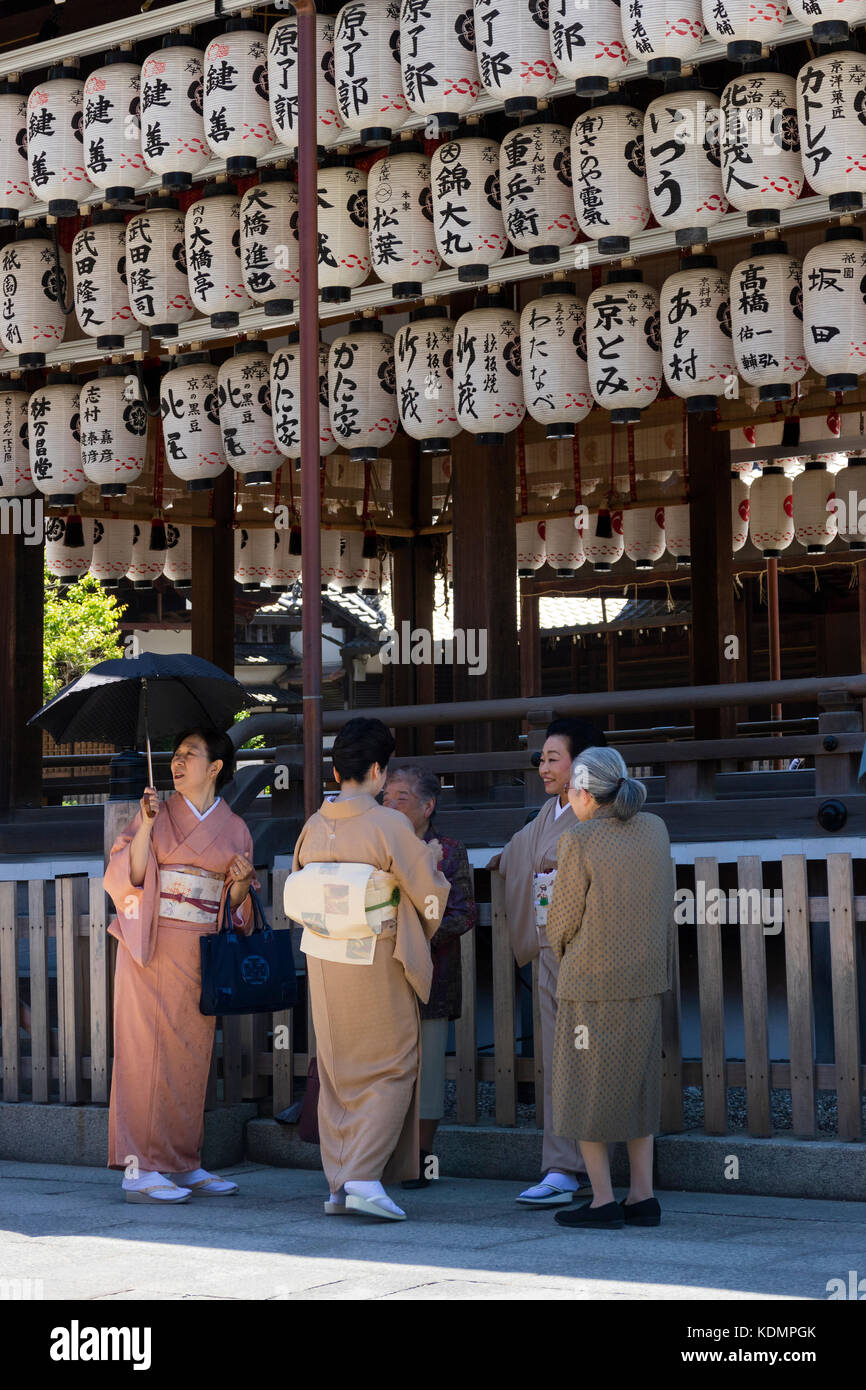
x=194 y=1175
x=372 y=1190
x=144 y=1180
x=562 y=1182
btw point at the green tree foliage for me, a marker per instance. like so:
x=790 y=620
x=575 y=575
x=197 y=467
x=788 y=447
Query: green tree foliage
x=81 y=627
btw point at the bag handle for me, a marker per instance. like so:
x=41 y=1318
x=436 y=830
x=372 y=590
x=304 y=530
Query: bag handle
x=260 y=921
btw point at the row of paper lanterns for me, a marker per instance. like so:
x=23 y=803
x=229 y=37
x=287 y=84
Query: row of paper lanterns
x=377 y=64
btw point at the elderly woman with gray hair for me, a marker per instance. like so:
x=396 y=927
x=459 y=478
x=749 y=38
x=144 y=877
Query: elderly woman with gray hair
x=611 y=927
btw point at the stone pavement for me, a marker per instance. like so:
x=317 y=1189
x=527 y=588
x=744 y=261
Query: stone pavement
x=465 y=1239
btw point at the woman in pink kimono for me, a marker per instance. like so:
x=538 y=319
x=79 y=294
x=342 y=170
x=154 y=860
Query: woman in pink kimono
x=167 y=876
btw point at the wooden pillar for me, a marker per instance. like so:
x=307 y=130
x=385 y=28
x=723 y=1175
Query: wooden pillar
x=213 y=583
x=21 y=614
x=530 y=640
x=610 y=657
x=861 y=608
x=712 y=592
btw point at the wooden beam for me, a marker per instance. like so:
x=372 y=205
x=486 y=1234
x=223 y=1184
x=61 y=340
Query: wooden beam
x=709 y=455
x=213 y=585
x=21 y=620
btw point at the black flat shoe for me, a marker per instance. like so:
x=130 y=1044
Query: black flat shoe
x=411 y=1184
x=647 y=1213
x=608 y=1217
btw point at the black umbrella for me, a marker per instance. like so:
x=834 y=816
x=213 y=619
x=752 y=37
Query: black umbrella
x=128 y=700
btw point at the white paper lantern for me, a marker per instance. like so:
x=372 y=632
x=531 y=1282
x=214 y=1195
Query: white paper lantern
x=830 y=19
x=189 y=403
x=608 y=172
x=424 y=365
x=814 y=497
x=771 y=512
x=212 y=237
x=400 y=210
x=623 y=345
x=344 y=243
x=488 y=380
x=15 y=191
x=54 y=436
x=678 y=529
x=367 y=69
x=767 y=320
x=178 y=555
x=662 y=33
x=683 y=164
x=156 y=268
x=467 y=206
x=588 y=45
x=535 y=185
x=761 y=168
x=256 y=560
x=145 y=565
x=112 y=549
x=437 y=57
x=244 y=390
x=67 y=561
x=695 y=316
x=351 y=569
x=113 y=432
x=112 y=133
x=531 y=549
x=237 y=118
x=830 y=113
x=172 y=105
x=745 y=26
x=100 y=286
x=363 y=390
x=283 y=83
x=55 y=150
x=563 y=546
x=850 y=503
x=834 y=307
x=286 y=569
x=31 y=306
x=15 y=477
x=603 y=539
x=513 y=47
x=739 y=510
x=286 y=400
x=643 y=535
x=270 y=256
x=330 y=556
x=553 y=352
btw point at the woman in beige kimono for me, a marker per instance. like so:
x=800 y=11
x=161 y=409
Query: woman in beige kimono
x=366 y=1015
x=528 y=864
x=167 y=875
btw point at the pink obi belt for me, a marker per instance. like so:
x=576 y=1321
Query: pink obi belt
x=185 y=896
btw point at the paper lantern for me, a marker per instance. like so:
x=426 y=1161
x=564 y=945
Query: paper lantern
x=623 y=345
x=830 y=113
x=65 y=559
x=237 y=118
x=467 y=206
x=850 y=503
x=178 y=555
x=603 y=539
x=695 y=317
x=830 y=19
x=256 y=559
x=33 y=294
x=156 y=268
x=285 y=570
x=513 y=47
x=662 y=33
x=739 y=510
x=55 y=150
x=244 y=391
x=767 y=320
x=286 y=400
x=100 y=286
x=608 y=171
x=363 y=390
x=400 y=210
x=189 y=403
x=54 y=436
x=563 y=546
x=112 y=133
x=678 y=527
x=283 y=83
x=553 y=352
x=683 y=163
x=760 y=142
x=112 y=549
x=15 y=191
x=814 y=495
x=643 y=535
x=488 y=380
x=588 y=45
x=771 y=511
x=531 y=549
x=145 y=565
x=16 y=479
x=172 y=105
x=424 y=366
x=270 y=256
x=745 y=26
x=351 y=570
x=437 y=58
x=535 y=186
x=212 y=237
x=367 y=68
x=113 y=431
x=344 y=243
x=834 y=307
x=330 y=556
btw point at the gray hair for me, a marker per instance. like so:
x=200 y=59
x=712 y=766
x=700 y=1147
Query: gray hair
x=424 y=783
x=602 y=773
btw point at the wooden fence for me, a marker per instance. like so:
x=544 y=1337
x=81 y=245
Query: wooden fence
x=56 y=972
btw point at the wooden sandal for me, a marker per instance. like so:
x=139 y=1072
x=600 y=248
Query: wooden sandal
x=142 y=1194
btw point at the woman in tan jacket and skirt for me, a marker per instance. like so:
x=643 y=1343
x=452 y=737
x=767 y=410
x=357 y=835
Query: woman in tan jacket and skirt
x=611 y=927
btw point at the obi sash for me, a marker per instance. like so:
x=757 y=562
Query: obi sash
x=542 y=892
x=344 y=908
x=189 y=896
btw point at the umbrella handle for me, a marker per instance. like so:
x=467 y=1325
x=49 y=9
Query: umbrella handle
x=151 y=783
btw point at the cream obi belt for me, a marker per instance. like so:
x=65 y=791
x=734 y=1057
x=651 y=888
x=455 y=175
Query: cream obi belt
x=189 y=896
x=343 y=908
x=542 y=892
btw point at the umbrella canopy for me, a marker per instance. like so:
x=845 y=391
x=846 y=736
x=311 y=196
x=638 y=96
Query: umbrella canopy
x=124 y=700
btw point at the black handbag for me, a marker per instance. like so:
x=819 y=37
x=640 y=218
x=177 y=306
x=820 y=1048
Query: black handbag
x=252 y=974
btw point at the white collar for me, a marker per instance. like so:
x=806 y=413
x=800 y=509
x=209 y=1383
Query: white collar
x=201 y=815
x=559 y=809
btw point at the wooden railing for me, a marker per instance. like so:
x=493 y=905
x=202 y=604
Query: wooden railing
x=56 y=1044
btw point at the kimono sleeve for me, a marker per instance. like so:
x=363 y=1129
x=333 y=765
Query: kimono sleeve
x=425 y=887
x=569 y=895
x=460 y=912
x=242 y=916
x=137 y=908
